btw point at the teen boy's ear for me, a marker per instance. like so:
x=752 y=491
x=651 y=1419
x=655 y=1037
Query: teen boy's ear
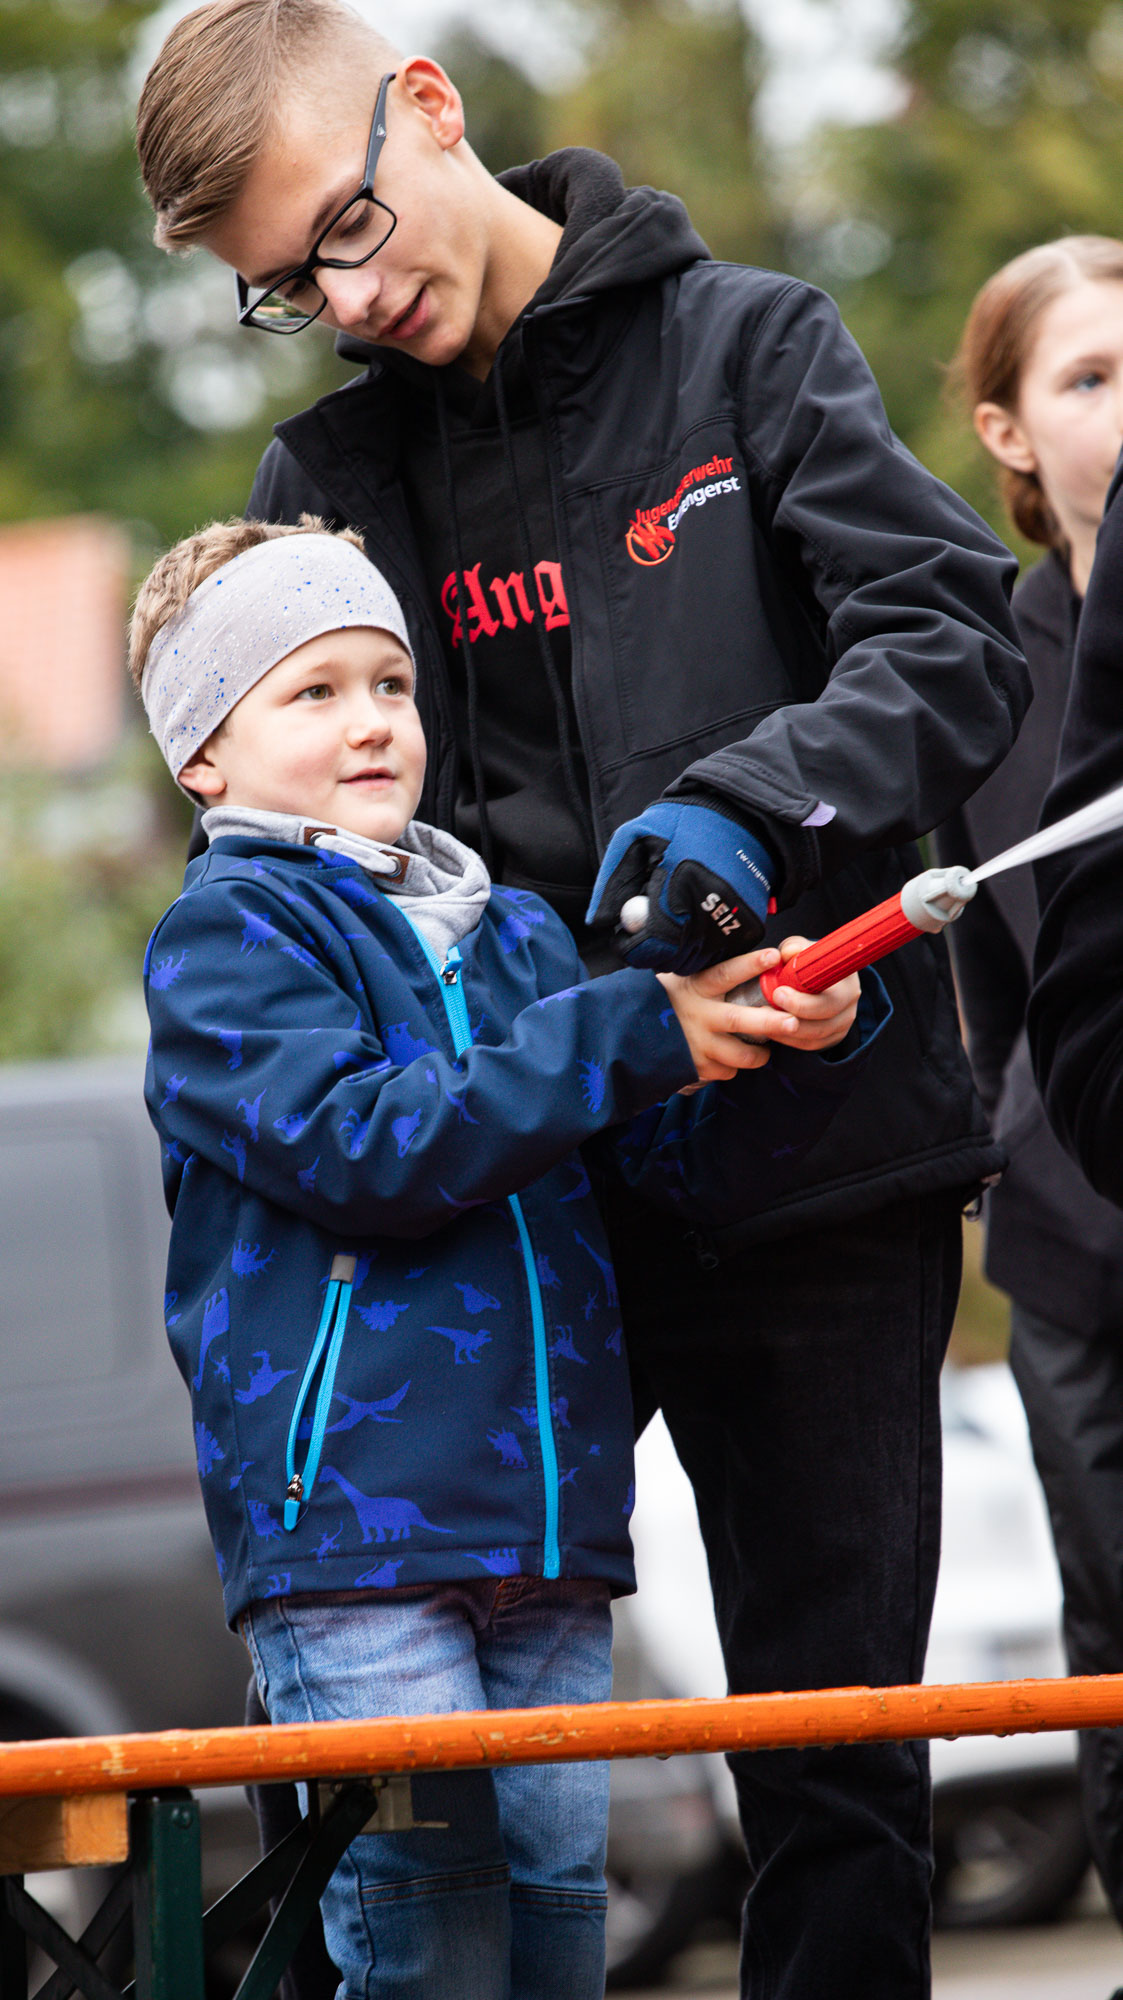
x=426 y=88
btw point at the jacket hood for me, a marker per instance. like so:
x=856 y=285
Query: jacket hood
x=611 y=234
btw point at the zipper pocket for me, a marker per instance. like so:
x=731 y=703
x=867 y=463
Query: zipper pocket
x=329 y=1335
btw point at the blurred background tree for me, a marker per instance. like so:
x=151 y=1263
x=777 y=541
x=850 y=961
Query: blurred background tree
x=125 y=385
x=669 y=92
x=1011 y=133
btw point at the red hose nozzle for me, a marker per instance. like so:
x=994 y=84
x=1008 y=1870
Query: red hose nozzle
x=926 y=903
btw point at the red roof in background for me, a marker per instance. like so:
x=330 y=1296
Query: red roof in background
x=63 y=590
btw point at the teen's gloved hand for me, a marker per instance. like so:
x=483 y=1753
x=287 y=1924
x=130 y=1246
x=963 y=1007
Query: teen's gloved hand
x=706 y=879
x=713 y=1026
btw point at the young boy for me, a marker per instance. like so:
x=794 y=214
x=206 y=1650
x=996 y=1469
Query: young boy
x=388 y=1285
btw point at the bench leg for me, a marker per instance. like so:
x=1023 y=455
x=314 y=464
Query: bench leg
x=167 y=1897
x=13 y=1950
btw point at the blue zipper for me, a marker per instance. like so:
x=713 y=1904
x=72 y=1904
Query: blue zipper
x=329 y=1334
x=456 y=1012
x=551 y=1557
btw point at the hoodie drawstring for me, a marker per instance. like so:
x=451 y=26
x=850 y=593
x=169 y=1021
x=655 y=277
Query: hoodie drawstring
x=578 y=802
x=474 y=751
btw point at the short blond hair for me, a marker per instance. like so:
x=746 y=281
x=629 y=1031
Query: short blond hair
x=212 y=94
x=169 y=582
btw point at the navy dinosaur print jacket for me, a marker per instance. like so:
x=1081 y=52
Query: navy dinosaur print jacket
x=388 y=1286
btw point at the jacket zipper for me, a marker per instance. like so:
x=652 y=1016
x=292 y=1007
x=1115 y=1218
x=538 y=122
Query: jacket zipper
x=456 y=1012
x=329 y=1336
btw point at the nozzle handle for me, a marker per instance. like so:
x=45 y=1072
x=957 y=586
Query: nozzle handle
x=926 y=903
x=860 y=942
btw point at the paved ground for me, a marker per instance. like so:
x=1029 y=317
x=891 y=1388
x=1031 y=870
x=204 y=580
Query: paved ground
x=1081 y=1960
x=1074 y=1961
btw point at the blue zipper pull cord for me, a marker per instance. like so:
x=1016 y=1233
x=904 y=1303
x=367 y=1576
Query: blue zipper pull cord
x=456 y=1006
x=329 y=1334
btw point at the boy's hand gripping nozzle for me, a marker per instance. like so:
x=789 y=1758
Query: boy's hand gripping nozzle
x=926 y=903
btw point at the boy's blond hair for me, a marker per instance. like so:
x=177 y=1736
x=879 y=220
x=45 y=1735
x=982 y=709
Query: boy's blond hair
x=169 y=583
x=212 y=94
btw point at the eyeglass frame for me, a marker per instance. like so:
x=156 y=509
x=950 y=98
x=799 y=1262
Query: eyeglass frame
x=312 y=263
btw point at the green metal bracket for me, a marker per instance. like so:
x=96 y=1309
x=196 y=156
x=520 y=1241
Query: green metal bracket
x=167 y=1896
x=162 y=1883
x=246 y=1898
x=13 y=1945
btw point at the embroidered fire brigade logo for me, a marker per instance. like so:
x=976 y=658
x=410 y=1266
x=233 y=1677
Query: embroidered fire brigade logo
x=650 y=537
x=649 y=541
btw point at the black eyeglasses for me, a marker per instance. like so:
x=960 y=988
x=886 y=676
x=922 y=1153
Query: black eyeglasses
x=355 y=234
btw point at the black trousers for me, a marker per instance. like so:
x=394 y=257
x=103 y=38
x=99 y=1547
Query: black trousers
x=1072 y=1387
x=800 y=1383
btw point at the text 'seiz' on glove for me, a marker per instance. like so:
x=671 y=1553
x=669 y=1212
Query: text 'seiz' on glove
x=706 y=879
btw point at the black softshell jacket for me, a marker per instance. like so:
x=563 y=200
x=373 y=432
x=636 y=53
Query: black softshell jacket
x=1075 y=1016
x=770 y=600
x=1053 y=1244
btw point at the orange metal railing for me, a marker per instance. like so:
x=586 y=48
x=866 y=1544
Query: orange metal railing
x=55 y=1767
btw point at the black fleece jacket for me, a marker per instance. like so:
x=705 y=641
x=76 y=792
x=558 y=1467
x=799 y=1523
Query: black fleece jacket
x=769 y=601
x=1076 y=1010
x=1052 y=1243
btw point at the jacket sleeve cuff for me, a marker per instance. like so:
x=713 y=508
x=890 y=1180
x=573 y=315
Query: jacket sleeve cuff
x=844 y=1062
x=794 y=849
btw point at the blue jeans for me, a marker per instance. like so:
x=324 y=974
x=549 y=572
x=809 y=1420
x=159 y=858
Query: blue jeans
x=509 y=1902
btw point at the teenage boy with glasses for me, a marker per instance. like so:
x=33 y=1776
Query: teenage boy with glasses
x=690 y=622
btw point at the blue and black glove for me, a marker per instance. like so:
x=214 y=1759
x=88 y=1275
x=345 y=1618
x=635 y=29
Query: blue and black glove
x=707 y=882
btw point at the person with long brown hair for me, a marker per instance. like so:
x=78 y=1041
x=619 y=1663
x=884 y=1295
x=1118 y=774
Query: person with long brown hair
x=1041 y=368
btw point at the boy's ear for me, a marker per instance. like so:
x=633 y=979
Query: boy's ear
x=203 y=776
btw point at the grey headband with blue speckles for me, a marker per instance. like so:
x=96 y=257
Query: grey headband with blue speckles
x=247 y=616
